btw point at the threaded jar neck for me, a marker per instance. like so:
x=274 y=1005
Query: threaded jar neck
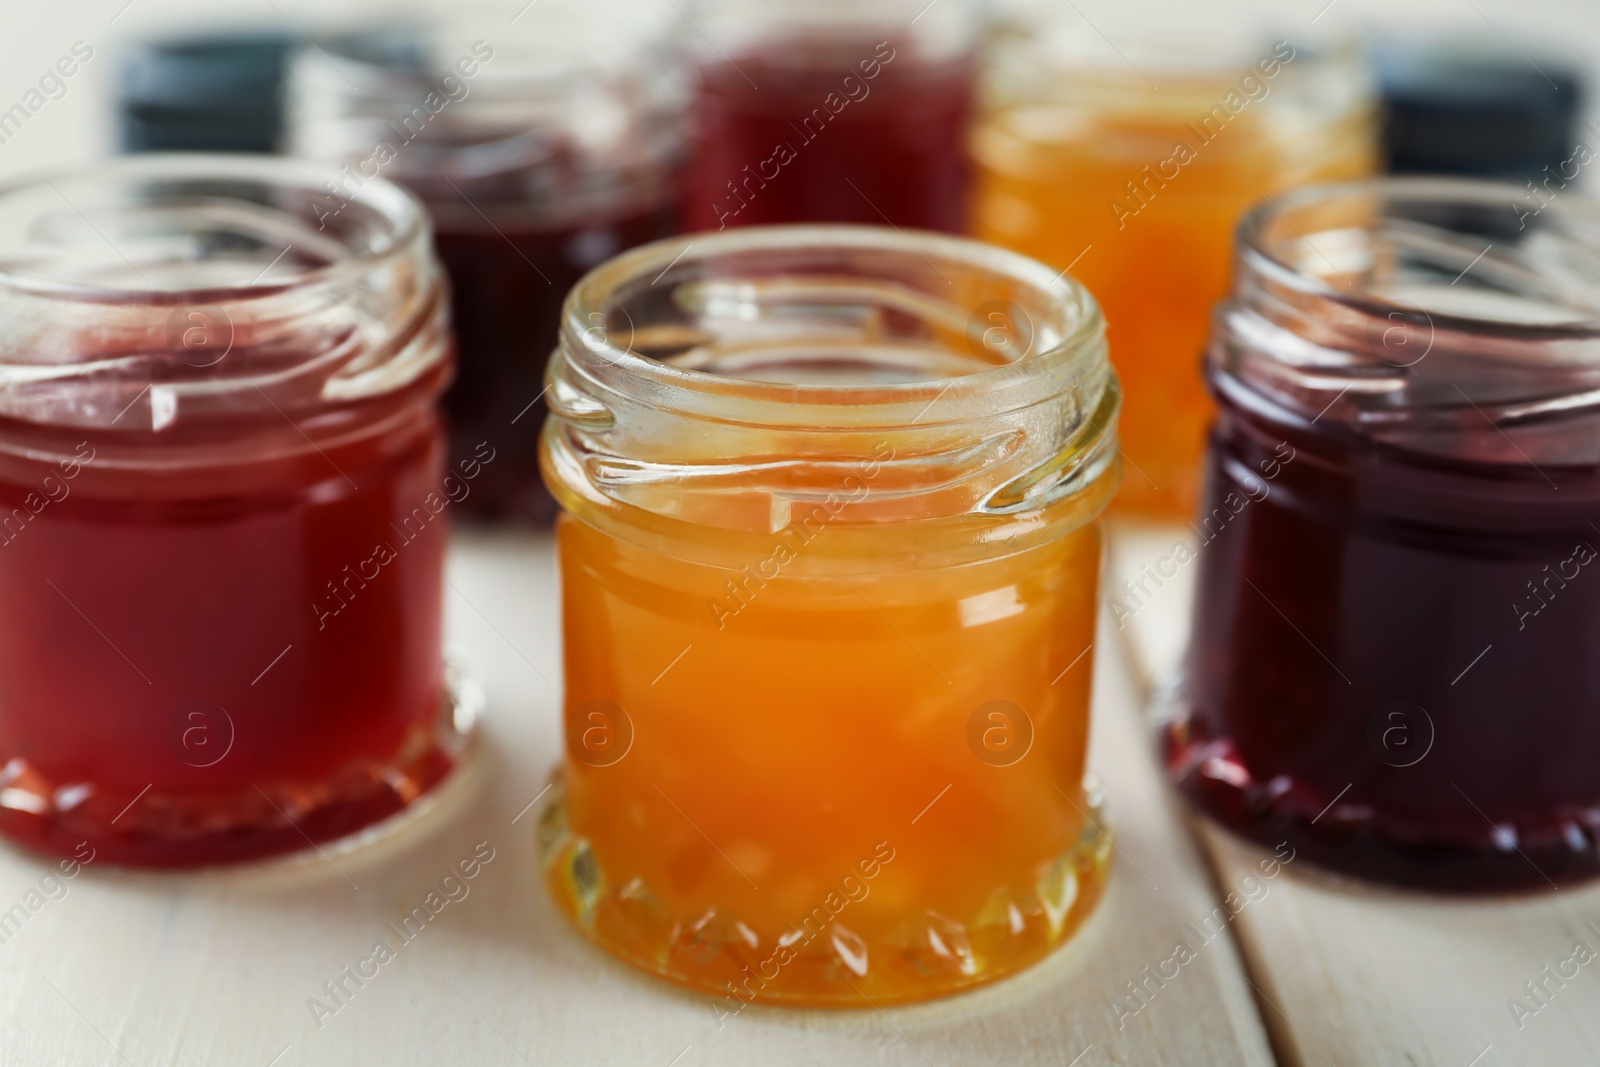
x=726 y=379
x=171 y=298
x=1424 y=313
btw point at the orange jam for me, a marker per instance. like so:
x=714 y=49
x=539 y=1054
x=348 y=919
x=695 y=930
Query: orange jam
x=1138 y=189
x=829 y=563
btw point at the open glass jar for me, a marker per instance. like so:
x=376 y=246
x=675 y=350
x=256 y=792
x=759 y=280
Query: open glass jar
x=1392 y=663
x=541 y=147
x=1131 y=168
x=829 y=562
x=221 y=491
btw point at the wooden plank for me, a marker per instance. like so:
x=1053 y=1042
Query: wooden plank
x=219 y=968
x=1351 y=973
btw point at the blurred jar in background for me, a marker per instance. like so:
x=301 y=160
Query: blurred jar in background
x=540 y=148
x=215 y=92
x=1130 y=165
x=222 y=498
x=1481 y=109
x=837 y=111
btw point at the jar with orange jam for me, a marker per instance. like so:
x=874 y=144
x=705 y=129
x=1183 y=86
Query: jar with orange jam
x=1130 y=165
x=829 y=560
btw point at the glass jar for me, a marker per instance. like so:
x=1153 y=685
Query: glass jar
x=1392 y=663
x=1131 y=168
x=833 y=111
x=828 y=563
x=221 y=483
x=541 y=146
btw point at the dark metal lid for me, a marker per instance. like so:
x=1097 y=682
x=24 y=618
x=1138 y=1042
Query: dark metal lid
x=1475 y=112
x=218 y=92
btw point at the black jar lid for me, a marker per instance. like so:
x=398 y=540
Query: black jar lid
x=216 y=93
x=1471 y=111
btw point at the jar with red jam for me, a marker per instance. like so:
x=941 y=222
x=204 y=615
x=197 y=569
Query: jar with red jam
x=223 y=510
x=542 y=145
x=1393 y=659
x=832 y=111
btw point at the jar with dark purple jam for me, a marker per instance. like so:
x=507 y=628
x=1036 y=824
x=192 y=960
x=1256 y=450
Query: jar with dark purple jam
x=1395 y=662
x=541 y=146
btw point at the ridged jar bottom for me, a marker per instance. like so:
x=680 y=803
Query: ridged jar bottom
x=366 y=802
x=1330 y=824
x=927 y=955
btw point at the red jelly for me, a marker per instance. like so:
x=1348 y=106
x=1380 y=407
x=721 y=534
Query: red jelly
x=1393 y=658
x=223 y=510
x=863 y=123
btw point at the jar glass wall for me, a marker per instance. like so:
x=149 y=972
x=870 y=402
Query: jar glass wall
x=833 y=111
x=829 y=563
x=540 y=147
x=1132 y=167
x=221 y=540
x=1392 y=662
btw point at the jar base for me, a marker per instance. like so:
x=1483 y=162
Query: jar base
x=925 y=957
x=1279 y=811
x=164 y=830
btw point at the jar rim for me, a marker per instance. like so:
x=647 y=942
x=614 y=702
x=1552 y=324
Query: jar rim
x=405 y=219
x=792 y=357
x=1078 y=341
x=1347 y=311
x=1258 y=254
x=123 y=289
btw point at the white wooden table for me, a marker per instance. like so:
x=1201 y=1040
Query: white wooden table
x=222 y=968
x=219 y=968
